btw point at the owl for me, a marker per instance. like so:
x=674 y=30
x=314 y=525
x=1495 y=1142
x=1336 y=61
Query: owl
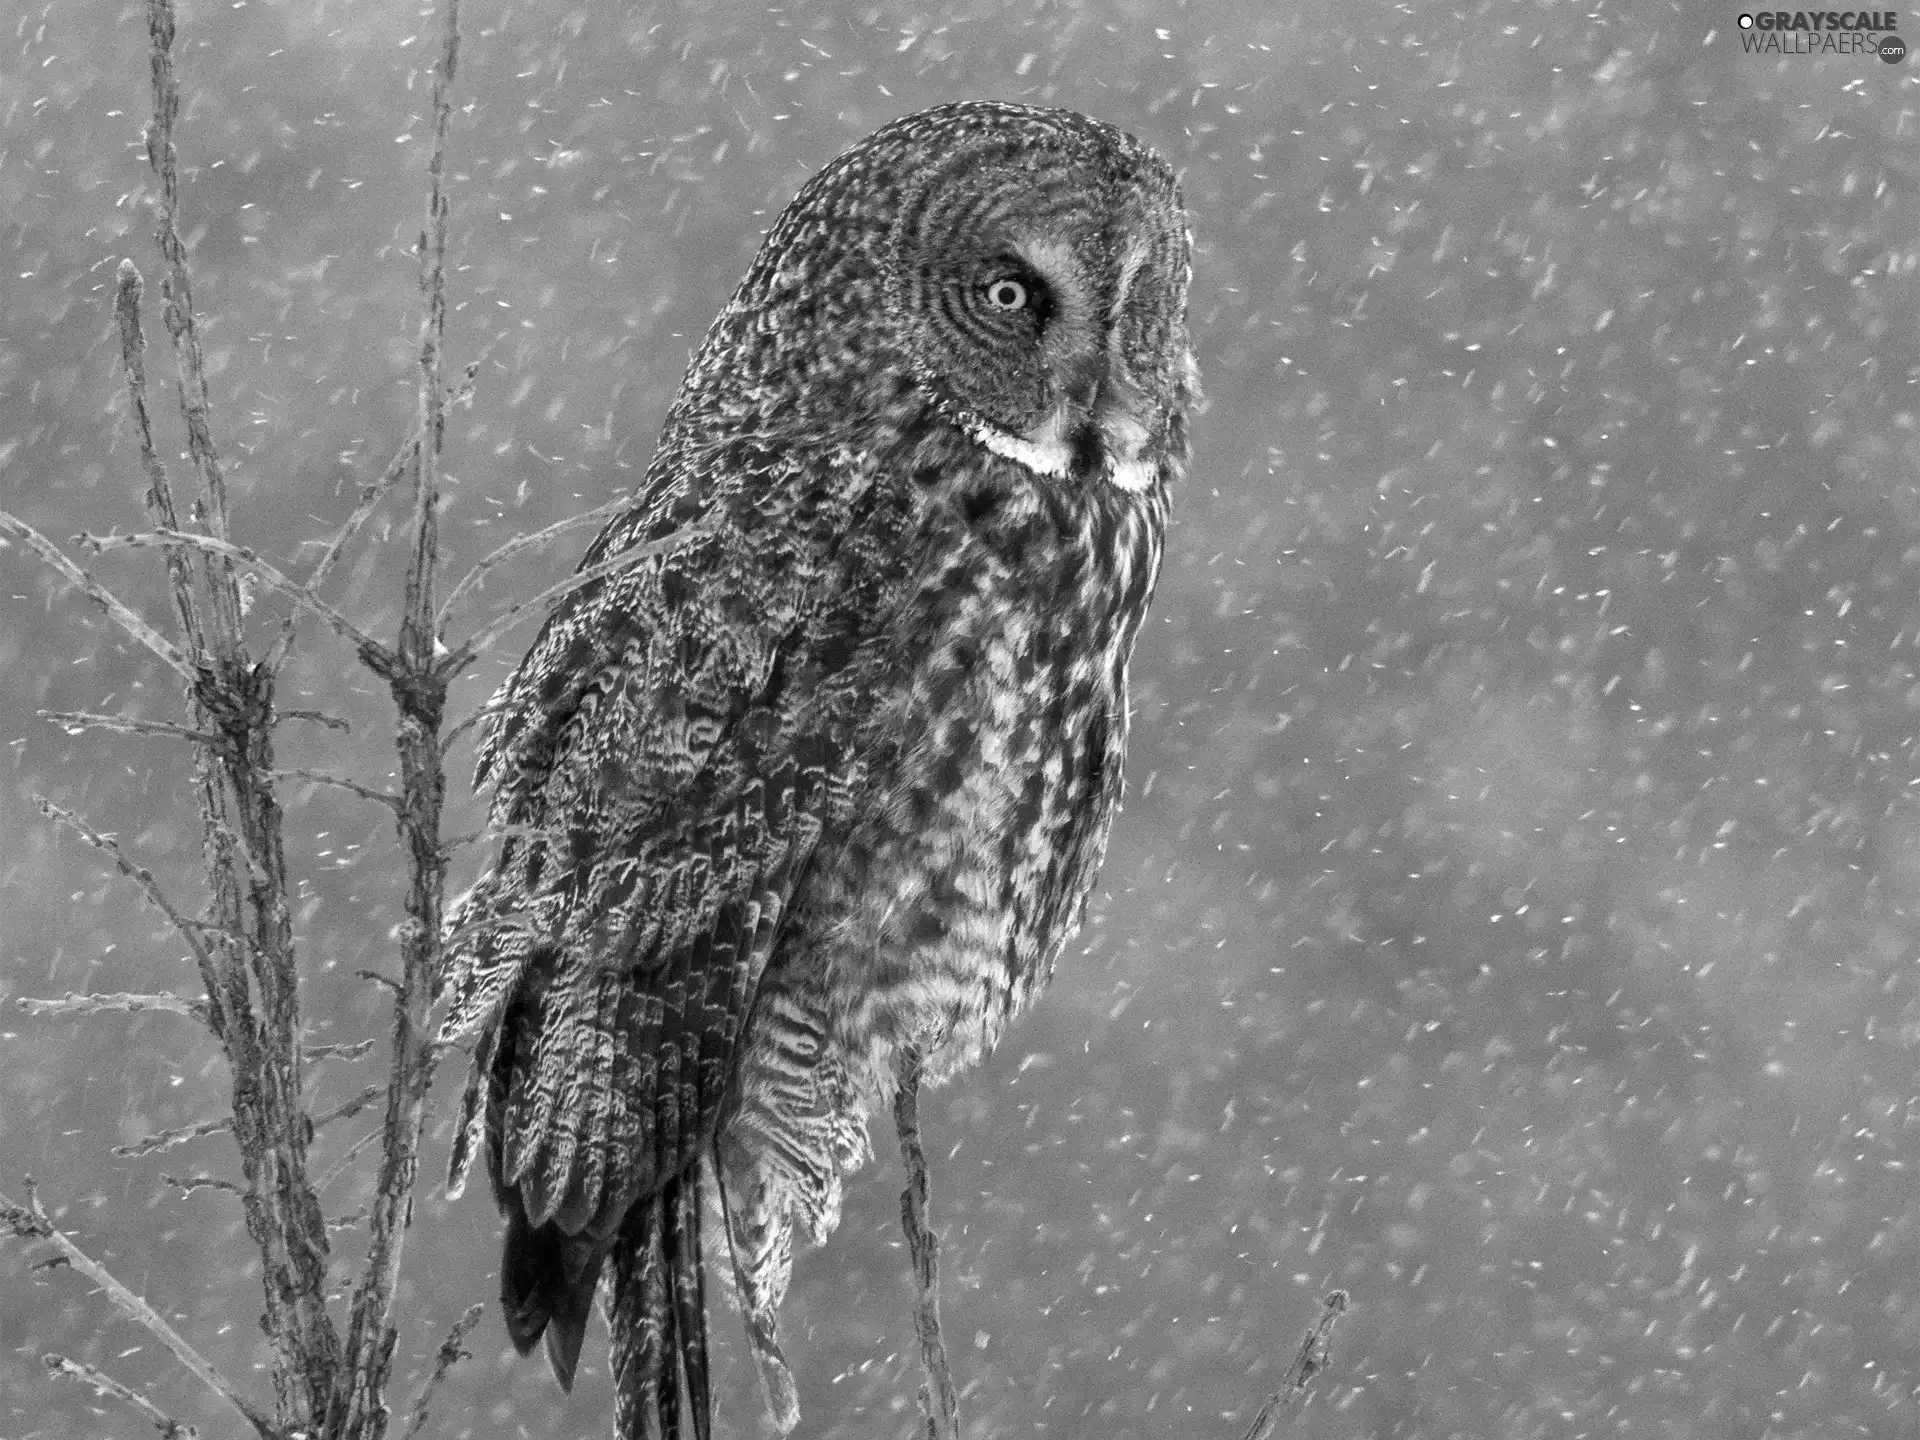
x=825 y=774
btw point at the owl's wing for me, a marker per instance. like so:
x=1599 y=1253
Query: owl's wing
x=674 y=741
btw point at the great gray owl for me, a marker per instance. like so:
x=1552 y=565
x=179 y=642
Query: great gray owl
x=828 y=771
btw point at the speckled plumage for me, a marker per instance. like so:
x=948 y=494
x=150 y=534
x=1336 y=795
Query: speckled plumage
x=833 y=774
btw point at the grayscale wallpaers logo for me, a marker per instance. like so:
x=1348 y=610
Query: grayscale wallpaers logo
x=1823 y=32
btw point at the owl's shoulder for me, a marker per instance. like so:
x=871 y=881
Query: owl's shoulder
x=761 y=558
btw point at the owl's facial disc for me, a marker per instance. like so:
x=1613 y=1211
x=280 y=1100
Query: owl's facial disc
x=1089 y=420
x=1036 y=277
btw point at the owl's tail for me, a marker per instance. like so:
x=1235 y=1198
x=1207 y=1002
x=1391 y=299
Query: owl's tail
x=658 y=1317
x=547 y=1281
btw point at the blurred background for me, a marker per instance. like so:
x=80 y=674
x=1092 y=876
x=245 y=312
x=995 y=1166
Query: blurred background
x=1512 y=919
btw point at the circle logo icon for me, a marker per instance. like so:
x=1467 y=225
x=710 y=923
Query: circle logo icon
x=1893 y=49
x=1746 y=22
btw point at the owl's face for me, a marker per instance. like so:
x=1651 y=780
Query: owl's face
x=1025 y=269
x=1038 y=263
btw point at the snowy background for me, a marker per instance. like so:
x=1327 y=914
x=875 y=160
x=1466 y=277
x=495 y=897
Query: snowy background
x=1512 y=919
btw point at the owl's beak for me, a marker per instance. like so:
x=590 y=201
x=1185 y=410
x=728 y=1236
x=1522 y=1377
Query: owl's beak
x=1084 y=383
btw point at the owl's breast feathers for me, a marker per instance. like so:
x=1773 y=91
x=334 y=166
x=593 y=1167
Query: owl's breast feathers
x=991 y=761
x=872 y=710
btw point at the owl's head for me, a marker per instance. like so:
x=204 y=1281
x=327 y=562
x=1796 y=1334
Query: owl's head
x=1025 y=268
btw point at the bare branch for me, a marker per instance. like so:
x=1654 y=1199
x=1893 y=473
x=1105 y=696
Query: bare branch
x=454 y=732
x=370 y=493
x=522 y=543
x=243 y=849
x=319 y=717
x=120 y=1003
x=167 y=1139
x=270 y=574
x=255 y=989
x=418 y=629
x=1316 y=1352
x=176 y=288
x=133 y=349
x=29 y=1221
x=938 y=1402
x=355 y=1051
x=1316 y=1346
x=452 y=1352
x=75 y=721
x=186 y=1185
x=345 y=1162
x=485 y=638
x=370 y=496
x=219 y=1125
x=13 y=525
x=322 y=777
x=189 y=930
x=105 y=1384
x=419 y=685
x=348 y=1109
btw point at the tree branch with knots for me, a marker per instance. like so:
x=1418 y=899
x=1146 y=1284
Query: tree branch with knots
x=244 y=944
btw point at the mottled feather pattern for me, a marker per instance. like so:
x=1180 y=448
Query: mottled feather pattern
x=830 y=770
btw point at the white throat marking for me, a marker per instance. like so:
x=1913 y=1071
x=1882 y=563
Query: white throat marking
x=1050 y=455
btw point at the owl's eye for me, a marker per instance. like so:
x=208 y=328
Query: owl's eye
x=1007 y=293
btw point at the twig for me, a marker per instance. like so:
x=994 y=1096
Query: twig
x=189 y=930
x=322 y=777
x=29 y=1221
x=133 y=349
x=319 y=717
x=76 y=720
x=243 y=849
x=418 y=630
x=414 y=673
x=167 y=1139
x=1316 y=1352
x=451 y=1354
x=123 y=617
x=521 y=543
x=370 y=495
x=120 y=1003
x=270 y=574
x=938 y=1402
x=105 y=1384
x=484 y=639
x=176 y=288
x=345 y=1162
x=187 y=1184
x=354 y=1050
x=454 y=732
x=219 y=1125
x=346 y=1110
x=1316 y=1346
